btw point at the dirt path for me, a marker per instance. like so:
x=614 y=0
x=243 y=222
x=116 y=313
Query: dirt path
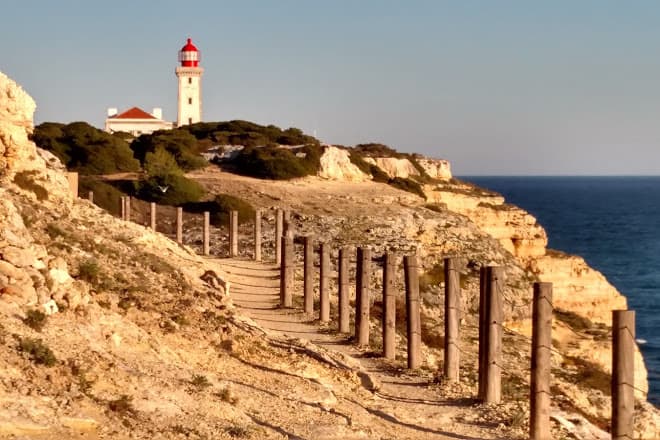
x=409 y=401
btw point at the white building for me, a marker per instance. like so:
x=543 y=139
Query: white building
x=136 y=121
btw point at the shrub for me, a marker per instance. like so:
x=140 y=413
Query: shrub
x=200 y=381
x=437 y=207
x=161 y=163
x=406 y=184
x=38 y=352
x=219 y=209
x=85 y=149
x=179 y=143
x=169 y=189
x=105 y=195
x=376 y=150
x=88 y=270
x=226 y=395
x=122 y=405
x=277 y=163
x=248 y=134
x=35 y=319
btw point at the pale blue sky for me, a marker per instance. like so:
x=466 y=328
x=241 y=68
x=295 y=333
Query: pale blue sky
x=501 y=87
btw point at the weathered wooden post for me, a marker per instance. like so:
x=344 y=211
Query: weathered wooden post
x=257 y=235
x=414 y=325
x=233 y=233
x=128 y=208
x=122 y=207
x=90 y=196
x=152 y=215
x=279 y=220
x=452 y=318
x=308 y=274
x=539 y=419
x=483 y=322
x=206 y=233
x=494 y=287
x=343 y=284
x=179 y=225
x=286 y=272
x=389 y=305
x=623 y=374
x=72 y=177
x=362 y=303
x=324 y=290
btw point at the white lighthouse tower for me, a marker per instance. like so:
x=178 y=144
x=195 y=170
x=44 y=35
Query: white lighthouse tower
x=190 y=85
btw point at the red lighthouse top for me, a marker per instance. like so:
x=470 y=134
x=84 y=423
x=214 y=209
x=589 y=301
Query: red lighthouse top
x=189 y=55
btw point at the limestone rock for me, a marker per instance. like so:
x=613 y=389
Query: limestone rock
x=436 y=168
x=394 y=167
x=336 y=165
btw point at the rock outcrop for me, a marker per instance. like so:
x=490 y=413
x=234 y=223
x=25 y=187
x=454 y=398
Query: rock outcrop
x=394 y=167
x=436 y=168
x=336 y=165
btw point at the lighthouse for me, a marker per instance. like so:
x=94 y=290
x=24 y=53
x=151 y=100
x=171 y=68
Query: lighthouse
x=189 y=75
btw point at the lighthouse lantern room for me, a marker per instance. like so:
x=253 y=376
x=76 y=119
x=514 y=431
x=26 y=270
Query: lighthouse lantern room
x=189 y=75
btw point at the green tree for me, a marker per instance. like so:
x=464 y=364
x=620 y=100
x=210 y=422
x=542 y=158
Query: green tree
x=161 y=163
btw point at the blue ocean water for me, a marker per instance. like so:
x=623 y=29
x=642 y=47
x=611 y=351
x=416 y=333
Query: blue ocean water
x=614 y=223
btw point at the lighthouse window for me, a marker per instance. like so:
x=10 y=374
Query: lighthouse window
x=189 y=121
x=189 y=100
x=189 y=80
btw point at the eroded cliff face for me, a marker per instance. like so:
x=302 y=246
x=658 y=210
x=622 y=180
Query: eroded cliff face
x=516 y=229
x=436 y=168
x=336 y=165
x=393 y=166
x=577 y=288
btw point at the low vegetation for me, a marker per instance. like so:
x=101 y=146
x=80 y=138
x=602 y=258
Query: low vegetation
x=35 y=319
x=37 y=351
x=219 y=208
x=85 y=149
x=277 y=163
x=247 y=133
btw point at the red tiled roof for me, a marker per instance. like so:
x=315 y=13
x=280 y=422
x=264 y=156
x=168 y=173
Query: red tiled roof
x=134 y=113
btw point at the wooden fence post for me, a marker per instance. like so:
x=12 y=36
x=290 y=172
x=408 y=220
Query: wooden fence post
x=90 y=196
x=324 y=290
x=72 y=177
x=128 y=208
x=257 y=235
x=494 y=287
x=623 y=374
x=389 y=306
x=122 y=207
x=286 y=272
x=539 y=419
x=343 y=282
x=483 y=322
x=179 y=225
x=414 y=325
x=279 y=220
x=152 y=216
x=206 y=234
x=452 y=318
x=233 y=233
x=362 y=301
x=308 y=274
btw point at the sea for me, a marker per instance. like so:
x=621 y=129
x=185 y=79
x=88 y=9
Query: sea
x=614 y=224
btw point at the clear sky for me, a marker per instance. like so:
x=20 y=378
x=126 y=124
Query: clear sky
x=501 y=87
